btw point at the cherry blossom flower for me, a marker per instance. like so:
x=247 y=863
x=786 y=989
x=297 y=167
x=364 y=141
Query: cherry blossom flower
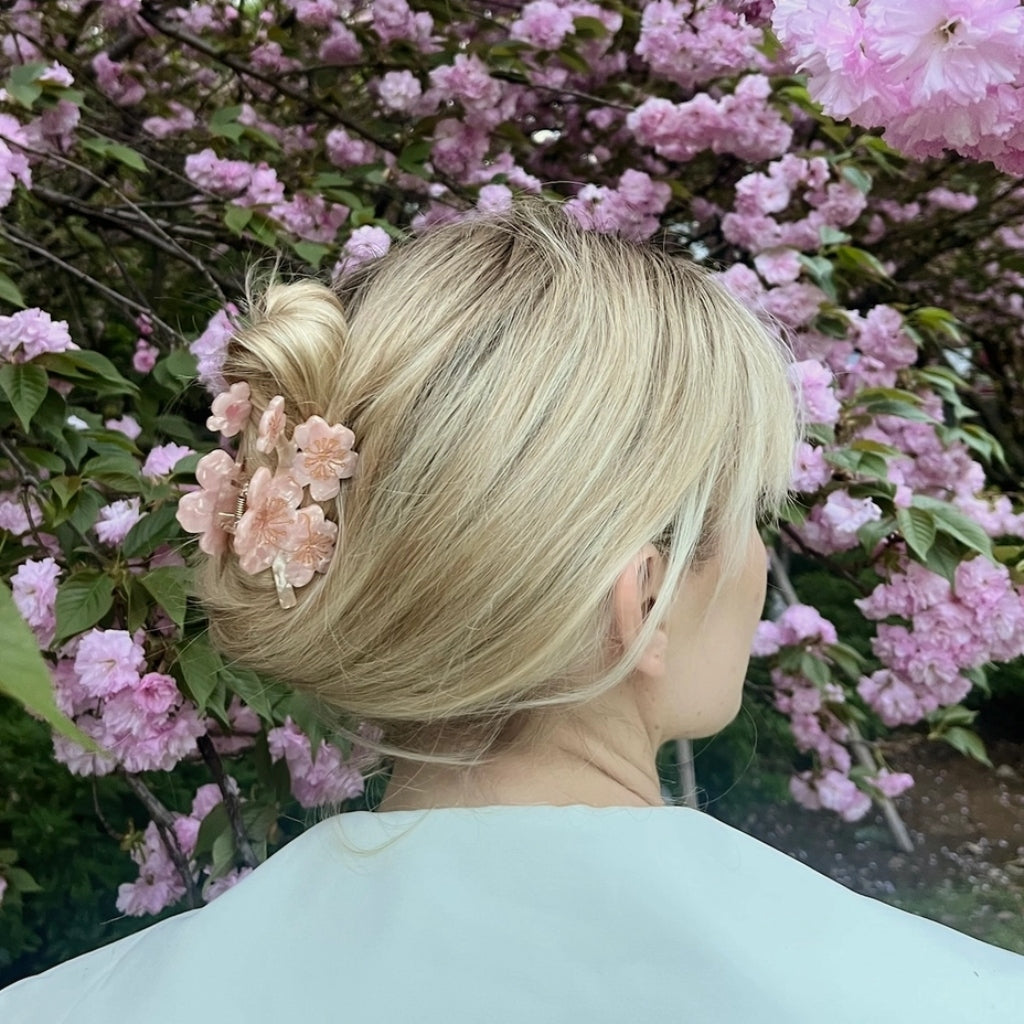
x=116 y=520
x=272 y=424
x=325 y=457
x=163 y=458
x=107 y=661
x=34 y=589
x=310 y=544
x=270 y=514
x=32 y=332
x=207 y=510
x=230 y=410
x=325 y=779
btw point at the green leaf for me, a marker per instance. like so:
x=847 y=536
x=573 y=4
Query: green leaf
x=237 y=218
x=22 y=83
x=87 y=365
x=25 y=385
x=152 y=530
x=954 y=523
x=411 y=158
x=116 y=151
x=849 y=662
x=82 y=601
x=259 y=694
x=858 y=178
x=944 y=557
x=917 y=526
x=23 y=672
x=88 y=503
x=181 y=364
x=10 y=293
x=169 y=587
x=42 y=458
x=212 y=826
x=814 y=669
x=115 y=470
x=967 y=741
x=312 y=253
x=200 y=666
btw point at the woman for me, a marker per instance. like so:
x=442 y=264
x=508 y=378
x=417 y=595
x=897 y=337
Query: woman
x=498 y=499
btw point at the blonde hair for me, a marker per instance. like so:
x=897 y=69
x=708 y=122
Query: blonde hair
x=531 y=404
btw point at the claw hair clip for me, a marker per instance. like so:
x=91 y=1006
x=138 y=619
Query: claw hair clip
x=270 y=520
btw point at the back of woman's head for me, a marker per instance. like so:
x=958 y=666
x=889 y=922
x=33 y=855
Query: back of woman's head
x=531 y=404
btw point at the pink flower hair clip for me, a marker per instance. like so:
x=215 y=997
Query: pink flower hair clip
x=270 y=520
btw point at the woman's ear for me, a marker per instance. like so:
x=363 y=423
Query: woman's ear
x=633 y=597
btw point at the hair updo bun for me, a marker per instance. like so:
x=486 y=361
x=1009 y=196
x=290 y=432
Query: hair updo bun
x=531 y=403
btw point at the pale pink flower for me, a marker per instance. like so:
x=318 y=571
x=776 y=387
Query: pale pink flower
x=310 y=544
x=210 y=348
x=818 y=398
x=270 y=515
x=800 y=622
x=272 y=424
x=325 y=457
x=957 y=48
x=32 y=332
x=766 y=639
x=207 y=510
x=366 y=243
x=34 y=589
x=127 y=425
x=107 y=661
x=399 y=90
x=230 y=410
x=326 y=779
x=163 y=458
x=219 y=886
x=145 y=356
x=891 y=784
x=116 y=520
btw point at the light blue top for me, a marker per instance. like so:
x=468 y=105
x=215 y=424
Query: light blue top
x=532 y=914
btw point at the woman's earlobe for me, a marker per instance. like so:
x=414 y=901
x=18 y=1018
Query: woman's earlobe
x=652 y=661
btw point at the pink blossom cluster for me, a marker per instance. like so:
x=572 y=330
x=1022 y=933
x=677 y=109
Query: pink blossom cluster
x=632 y=209
x=742 y=123
x=317 y=779
x=30 y=333
x=139 y=719
x=211 y=346
x=949 y=629
x=159 y=884
x=817 y=728
x=936 y=74
x=927 y=464
x=789 y=183
x=14 y=163
x=811 y=709
x=692 y=43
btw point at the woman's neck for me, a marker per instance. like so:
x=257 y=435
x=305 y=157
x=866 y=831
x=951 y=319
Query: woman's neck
x=573 y=764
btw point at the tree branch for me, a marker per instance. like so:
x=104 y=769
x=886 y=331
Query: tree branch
x=213 y=762
x=164 y=821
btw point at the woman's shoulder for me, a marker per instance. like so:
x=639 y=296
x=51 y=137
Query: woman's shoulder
x=539 y=913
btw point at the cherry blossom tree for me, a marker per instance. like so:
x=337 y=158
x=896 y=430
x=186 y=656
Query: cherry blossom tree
x=847 y=169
